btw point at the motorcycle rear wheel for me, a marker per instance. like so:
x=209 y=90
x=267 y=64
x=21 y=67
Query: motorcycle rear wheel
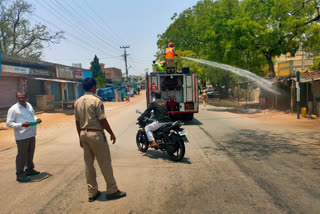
x=142 y=141
x=180 y=151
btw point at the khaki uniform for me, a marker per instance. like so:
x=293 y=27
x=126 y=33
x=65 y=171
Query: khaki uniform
x=89 y=110
x=204 y=98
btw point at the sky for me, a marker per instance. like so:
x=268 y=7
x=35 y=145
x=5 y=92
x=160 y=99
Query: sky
x=101 y=26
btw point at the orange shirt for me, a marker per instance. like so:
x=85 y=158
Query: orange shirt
x=169 y=53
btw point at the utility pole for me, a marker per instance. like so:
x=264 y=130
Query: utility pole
x=125 y=59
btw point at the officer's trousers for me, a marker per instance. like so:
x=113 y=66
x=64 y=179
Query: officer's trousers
x=95 y=145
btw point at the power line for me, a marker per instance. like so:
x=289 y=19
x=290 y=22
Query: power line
x=97 y=14
x=96 y=21
x=73 y=18
x=125 y=59
x=89 y=26
x=65 y=21
x=82 y=42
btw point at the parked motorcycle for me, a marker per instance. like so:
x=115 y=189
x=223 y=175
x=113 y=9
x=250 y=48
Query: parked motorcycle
x=170 y=137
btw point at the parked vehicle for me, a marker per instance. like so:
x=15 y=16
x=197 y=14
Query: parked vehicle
x=170 y=137
x=213 y=94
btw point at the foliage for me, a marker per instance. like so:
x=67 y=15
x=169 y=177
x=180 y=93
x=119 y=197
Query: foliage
x=248 y=34
x=117 y=83
x=316 y=65
x=17 y=36
x=97 y=72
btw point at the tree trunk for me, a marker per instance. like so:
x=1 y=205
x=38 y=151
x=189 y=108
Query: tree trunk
x=270 y=63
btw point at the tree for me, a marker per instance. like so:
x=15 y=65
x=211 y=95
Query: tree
x=248 y=34
x=17 y=36
x=97 y=72
x=281 y=25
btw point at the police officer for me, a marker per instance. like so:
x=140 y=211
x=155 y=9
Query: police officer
x=91 y=122
x=160 y=110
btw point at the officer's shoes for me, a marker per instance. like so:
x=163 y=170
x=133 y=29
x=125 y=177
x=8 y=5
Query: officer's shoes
x=95 y=197
x=23 y=178
x=116 y=195
x=32 y=172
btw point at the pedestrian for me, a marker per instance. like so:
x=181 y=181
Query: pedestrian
x=21 y=118
x=91 y=122
x=204 y=98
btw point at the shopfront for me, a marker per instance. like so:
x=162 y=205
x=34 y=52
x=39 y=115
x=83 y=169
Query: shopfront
x=12 y=80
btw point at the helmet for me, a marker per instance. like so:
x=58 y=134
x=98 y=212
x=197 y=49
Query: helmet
x=171 y=44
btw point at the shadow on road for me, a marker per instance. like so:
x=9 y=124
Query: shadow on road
x=159 y=155
x=194 y=121
x=42 y=176
x=261 y=144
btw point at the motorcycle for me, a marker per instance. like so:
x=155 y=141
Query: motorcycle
x=170 y=137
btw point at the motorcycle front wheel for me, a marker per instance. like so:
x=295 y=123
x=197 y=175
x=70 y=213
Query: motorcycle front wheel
x=142 y=141
x=179 y=151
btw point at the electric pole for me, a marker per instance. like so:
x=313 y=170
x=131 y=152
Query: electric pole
x=125 y=59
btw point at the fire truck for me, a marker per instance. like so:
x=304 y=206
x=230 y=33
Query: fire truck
x=180 y=90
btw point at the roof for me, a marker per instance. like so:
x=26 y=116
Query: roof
x=310 y=76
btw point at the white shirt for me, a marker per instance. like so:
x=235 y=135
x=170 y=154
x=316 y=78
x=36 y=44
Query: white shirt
x=17 y=115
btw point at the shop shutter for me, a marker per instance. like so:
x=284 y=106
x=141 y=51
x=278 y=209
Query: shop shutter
x=8 y=90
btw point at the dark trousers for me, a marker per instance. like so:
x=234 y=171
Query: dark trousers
x=25 y=154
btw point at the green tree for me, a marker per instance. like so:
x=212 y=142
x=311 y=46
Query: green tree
x=17 y=36
x=97 y=72
x=282 y=25
x=247 y=34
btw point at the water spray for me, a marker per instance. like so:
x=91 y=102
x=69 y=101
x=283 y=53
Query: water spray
x=263 y=83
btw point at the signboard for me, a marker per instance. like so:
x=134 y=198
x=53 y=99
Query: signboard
x=15 y=69
x=43 y=73
x=65 y=72
x=87 y=74
x=78 y=74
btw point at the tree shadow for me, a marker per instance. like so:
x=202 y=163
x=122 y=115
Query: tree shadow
x=153 y=154
x=261 y=144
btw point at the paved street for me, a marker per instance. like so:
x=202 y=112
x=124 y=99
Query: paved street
x=234 y=163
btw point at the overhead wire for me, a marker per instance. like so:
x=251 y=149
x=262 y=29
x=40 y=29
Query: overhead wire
x=97 y=14
x=72 y=20
x=82 y=42
x=97 y=22
x=85 y=22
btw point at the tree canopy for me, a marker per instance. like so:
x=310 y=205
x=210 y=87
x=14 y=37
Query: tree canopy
x=97 y=72
x=17 y=36
x=248 y=34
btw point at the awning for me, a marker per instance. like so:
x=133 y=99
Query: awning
x=56 y=80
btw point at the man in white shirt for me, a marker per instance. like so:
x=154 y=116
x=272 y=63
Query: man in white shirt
x=21 y=118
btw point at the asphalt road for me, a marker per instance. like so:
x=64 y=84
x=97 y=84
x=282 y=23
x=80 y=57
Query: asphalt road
x=233 y=164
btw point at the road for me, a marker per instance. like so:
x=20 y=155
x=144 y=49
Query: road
x=233 y=164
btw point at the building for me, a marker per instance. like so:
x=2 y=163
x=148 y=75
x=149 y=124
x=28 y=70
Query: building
x=47 y=85
x=112 y=74
x=290 y=67
x=287 y=65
